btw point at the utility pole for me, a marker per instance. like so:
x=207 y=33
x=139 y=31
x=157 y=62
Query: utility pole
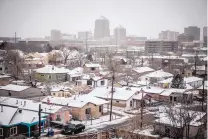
x=112 y=91
x=142 y=104
x=39 y=114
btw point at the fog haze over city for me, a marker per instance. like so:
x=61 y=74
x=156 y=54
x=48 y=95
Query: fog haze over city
x=35 y=18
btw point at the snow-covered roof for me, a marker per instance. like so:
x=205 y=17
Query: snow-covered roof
x=12 y=115
x=13 y=87
x=151 y=89
x=186 y=79
x=7 y=114
x=139 y=96
x=92 y=65
x=29 y=104
x=169 y=91
x=5 y=76
x=165 y=119
x=52 y=69
x=119 y=94
x=199 y=68
x=75 y=101
x=143 y=69
x=158 y=74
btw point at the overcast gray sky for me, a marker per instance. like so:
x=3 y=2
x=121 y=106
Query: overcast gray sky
x=33 y=18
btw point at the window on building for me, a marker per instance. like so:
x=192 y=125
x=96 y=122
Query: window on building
x=49 y=76
x=1 y=131
x=175 y=99
x=100 y=108
x=131 y=103
x=117 y=101
x=42 y=75
x=87 y=111
x=58 y=117
x=10 y=94
x=13 y=131
x=171 y=98
x=92 y=68
x=0 y=68
x=167 y=131
x=102 y=82
x=89 y=82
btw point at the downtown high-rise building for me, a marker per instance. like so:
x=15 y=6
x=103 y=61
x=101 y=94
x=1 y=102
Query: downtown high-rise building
x=55 y=35
x=101 y=28
x=193 y=31
x=205 y=36
x=119 y=34
x=168 y=35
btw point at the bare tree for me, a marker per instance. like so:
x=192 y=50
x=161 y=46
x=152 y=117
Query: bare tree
x=55 y=57
x=180 y=119
x=14 y=63
x=66 y=53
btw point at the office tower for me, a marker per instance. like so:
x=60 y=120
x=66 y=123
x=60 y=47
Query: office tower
x=101 y=28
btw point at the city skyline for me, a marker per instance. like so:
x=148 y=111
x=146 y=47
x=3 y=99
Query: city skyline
x=141 y=18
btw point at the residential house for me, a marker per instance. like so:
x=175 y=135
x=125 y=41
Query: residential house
x=152 y=91
x=15 y=121
x=92 y=80
x=174 y=127
x=61 y=91
x=82 y=107
x=122 y=96
x=75 y=74
x=155 y=76
x=51 y=73
x=139 y=97
x=91 y=68
x=5 y=79
x=174 y=95
x=35 y=60
x=55 y=113
x=19 y=91
x=192 y=81
x=139 y=71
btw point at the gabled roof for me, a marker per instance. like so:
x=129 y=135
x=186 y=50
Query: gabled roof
x=13 y=115
x=120 y=93
x=75 y=101
x=52 y=69
x=31 y=105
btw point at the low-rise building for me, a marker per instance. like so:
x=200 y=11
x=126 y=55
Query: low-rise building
x=91 y=68
x=82 y=107
x=158 y=46
x=19 y=91
x=51 y=73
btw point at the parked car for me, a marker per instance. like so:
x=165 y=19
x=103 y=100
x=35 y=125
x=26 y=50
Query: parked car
x=71 y=129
